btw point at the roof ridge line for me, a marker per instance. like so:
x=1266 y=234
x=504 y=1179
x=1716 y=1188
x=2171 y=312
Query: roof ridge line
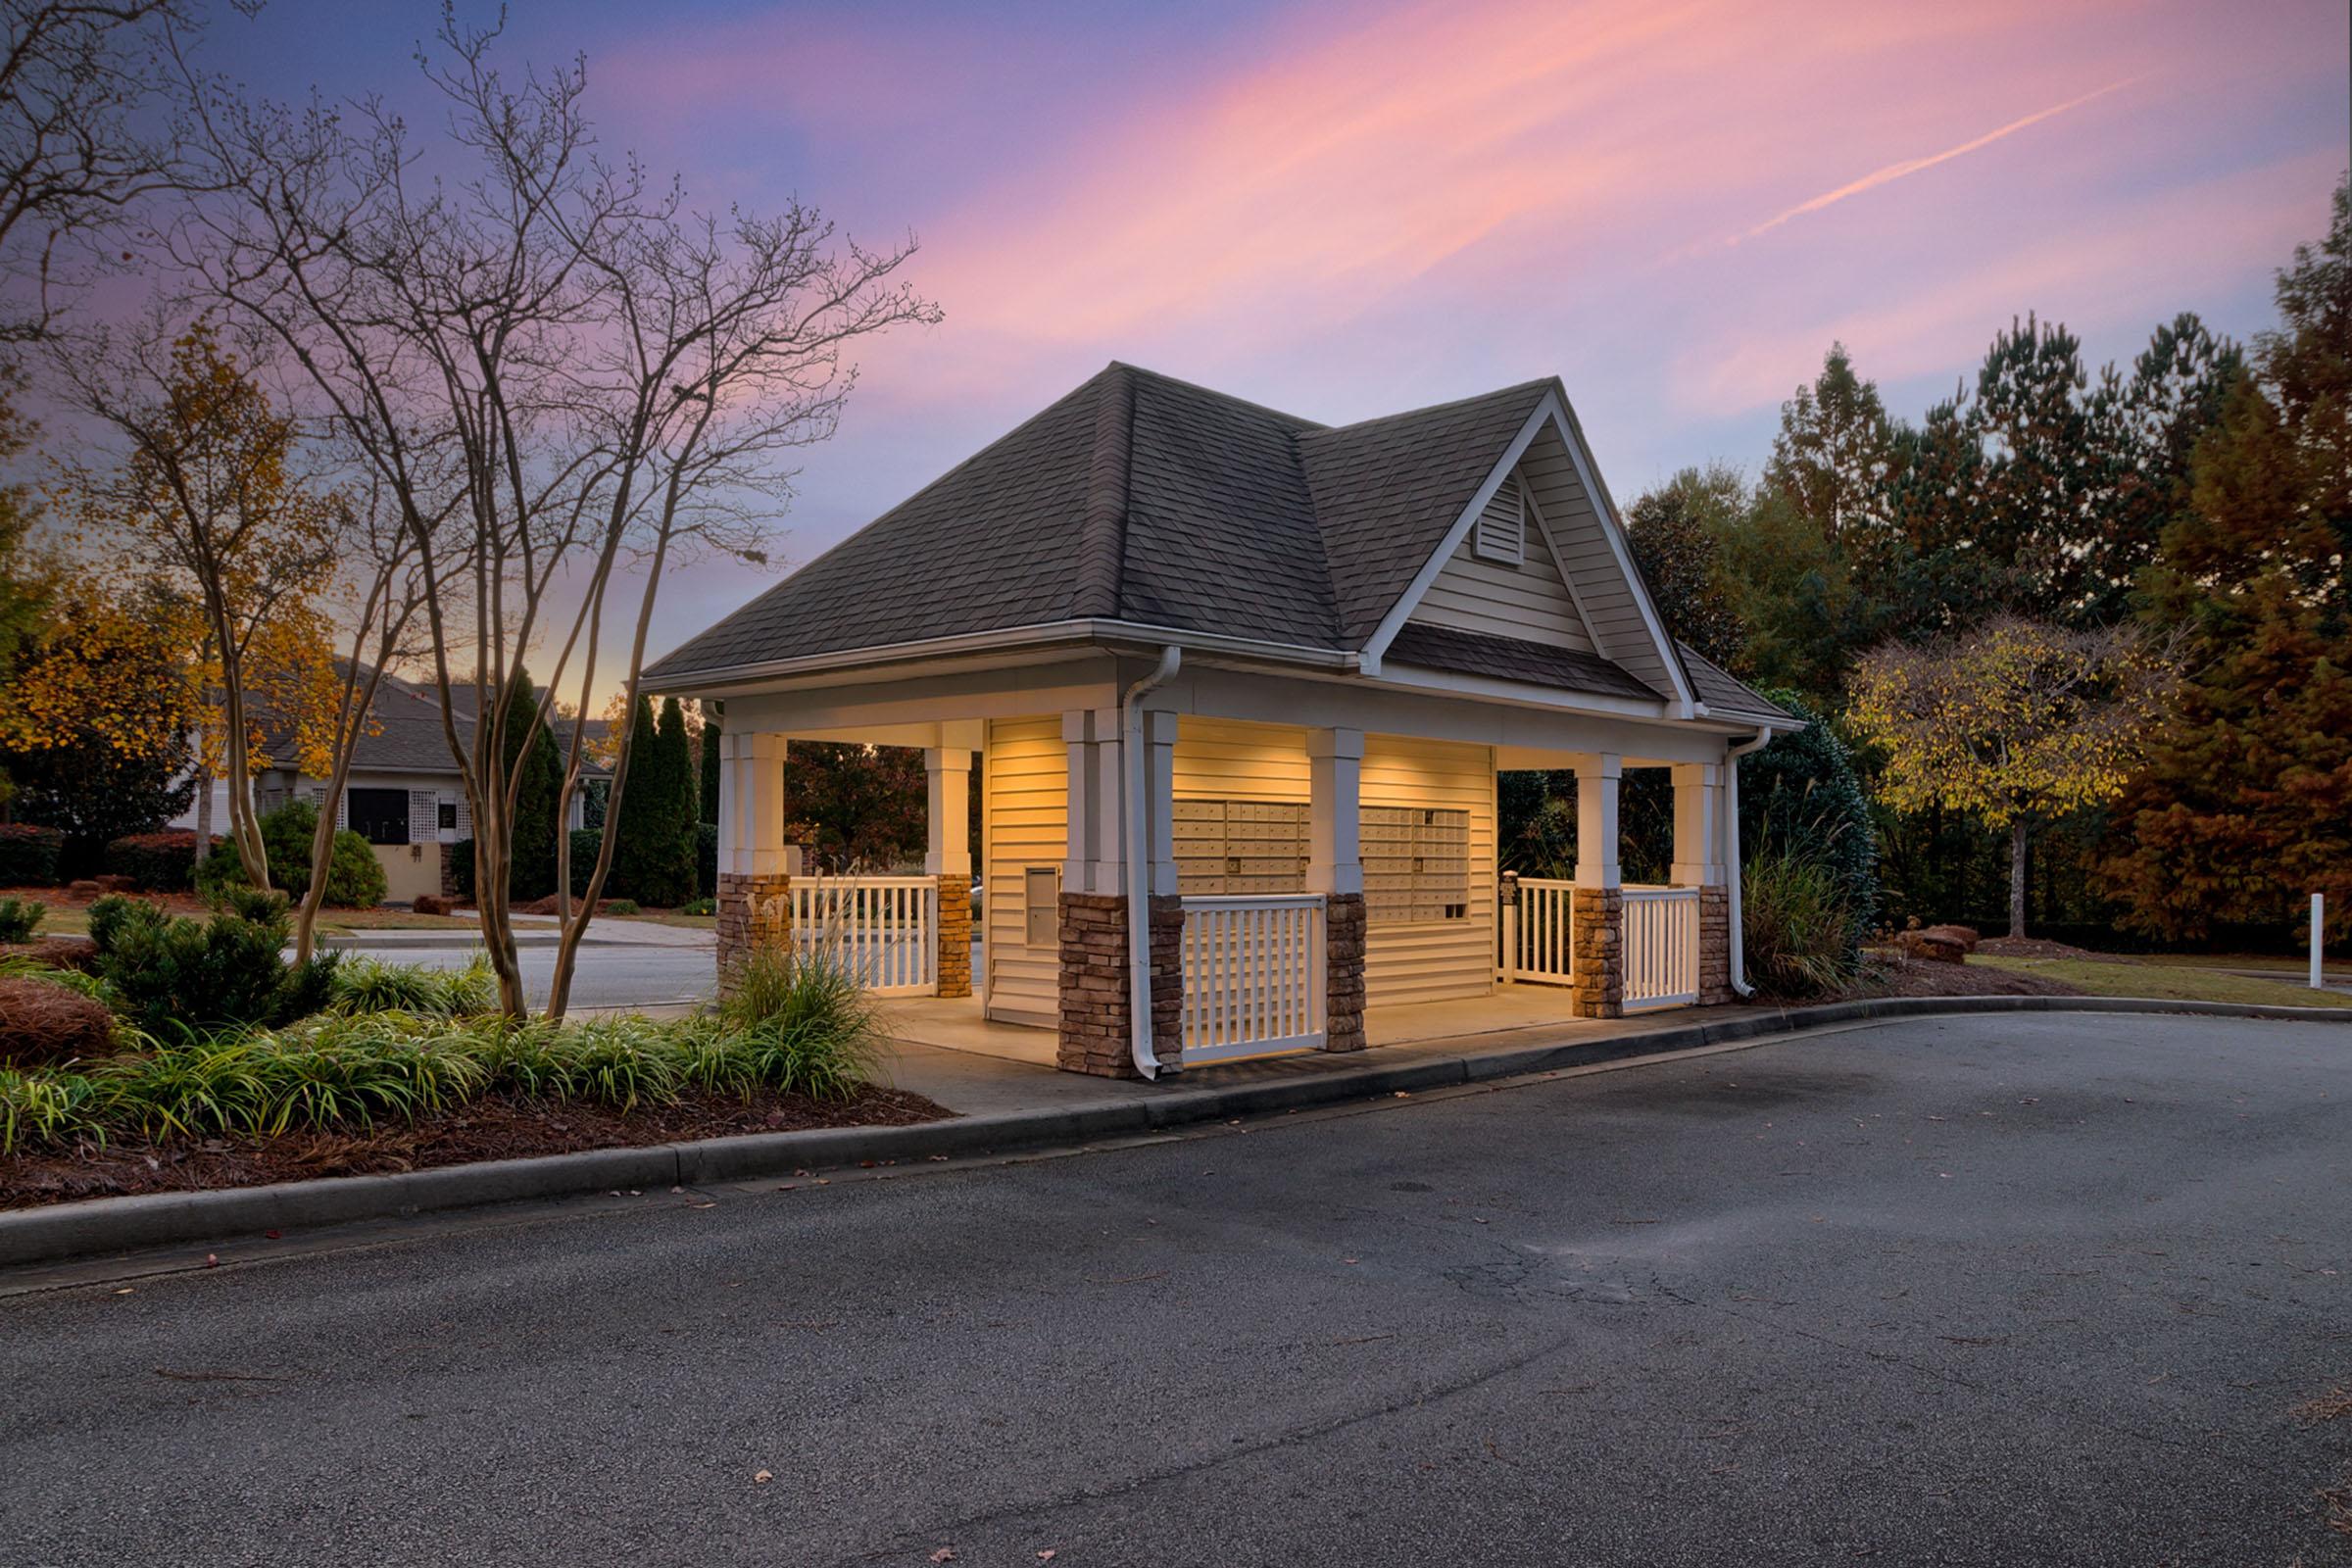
x=1103 y=533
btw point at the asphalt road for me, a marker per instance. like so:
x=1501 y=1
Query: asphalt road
x=1992 y=1290
x=606 y=974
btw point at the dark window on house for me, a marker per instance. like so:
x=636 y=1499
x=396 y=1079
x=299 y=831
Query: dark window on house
x=380 y=816
x=449 y=816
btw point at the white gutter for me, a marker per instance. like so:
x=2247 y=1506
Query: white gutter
x=1139 y=863
x=1733 y=870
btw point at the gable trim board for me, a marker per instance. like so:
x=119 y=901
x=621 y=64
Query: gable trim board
x=1551 y=411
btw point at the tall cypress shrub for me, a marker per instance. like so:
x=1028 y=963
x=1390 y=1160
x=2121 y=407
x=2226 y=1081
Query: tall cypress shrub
x=709 y=778
x=531 y=871
x=635 y=844
x=681 y=806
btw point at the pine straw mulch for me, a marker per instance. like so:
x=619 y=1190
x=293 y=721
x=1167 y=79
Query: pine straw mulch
x=495 y=1128
x=2037 y=947
x=1886 y=974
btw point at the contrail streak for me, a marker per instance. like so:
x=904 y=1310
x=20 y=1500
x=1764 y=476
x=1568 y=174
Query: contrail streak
x=1912 y=166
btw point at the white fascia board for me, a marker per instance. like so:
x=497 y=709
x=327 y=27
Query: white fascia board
x=1051 y=637
x=1377 y=645
x=1613 y=528
x=1518 y=692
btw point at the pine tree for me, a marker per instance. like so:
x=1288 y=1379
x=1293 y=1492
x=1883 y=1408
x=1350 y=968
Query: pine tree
x=2245 y=806
x=531 y=867
x=1835 y=452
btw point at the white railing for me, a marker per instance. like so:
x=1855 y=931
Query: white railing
x=882 y=929
x=1538 y=933
x=1661 y=947
x=1253 y=976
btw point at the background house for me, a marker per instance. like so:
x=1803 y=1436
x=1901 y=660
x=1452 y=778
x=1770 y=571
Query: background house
x=405 y=795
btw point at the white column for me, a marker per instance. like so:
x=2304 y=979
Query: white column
x=1335 y=767
x=1597 y=777
x=750 y=804
x=949 y=767
x=1699 y=825
x=1159 y=803
x=1095 y=856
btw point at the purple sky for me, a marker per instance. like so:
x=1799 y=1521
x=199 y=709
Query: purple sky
x=1348 y=209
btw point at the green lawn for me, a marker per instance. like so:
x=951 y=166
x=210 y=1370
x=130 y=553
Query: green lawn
x=2128 y=977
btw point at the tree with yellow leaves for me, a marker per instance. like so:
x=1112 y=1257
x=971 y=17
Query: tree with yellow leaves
x=207 y=497
x=95 y=711
x=2018 y=721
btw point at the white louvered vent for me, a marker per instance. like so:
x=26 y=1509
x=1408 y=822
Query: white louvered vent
x=1500 y=532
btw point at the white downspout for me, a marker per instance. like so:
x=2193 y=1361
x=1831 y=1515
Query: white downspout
x=1733 y=870
x=1139 y=863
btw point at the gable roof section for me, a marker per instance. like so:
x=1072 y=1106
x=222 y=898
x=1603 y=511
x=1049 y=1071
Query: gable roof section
x=1387 y=491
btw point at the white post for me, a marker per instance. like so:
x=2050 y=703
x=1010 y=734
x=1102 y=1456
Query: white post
x=949 y=767
x=750 y=804
x=2318 y=926
x=1335 y=771
x=1095 y=856
x=1597 y=779
x=1697 y=811
x=1159 y=803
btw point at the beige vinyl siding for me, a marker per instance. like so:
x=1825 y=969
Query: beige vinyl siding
x=1530 y=602
x=1026 y=812
x=1612 y=614
x=1221 y=760
x=1448 y=958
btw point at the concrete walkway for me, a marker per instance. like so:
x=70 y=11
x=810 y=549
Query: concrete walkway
x=974 y=1084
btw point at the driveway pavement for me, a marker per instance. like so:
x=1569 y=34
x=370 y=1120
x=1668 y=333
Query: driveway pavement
x=622 y=963
x=2016 y=1289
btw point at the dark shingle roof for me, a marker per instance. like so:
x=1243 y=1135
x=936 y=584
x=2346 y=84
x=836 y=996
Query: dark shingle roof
x=405 y=734
x=1469 y=652
x=1145 y=499
x=1725 y=693
x=1386 y=490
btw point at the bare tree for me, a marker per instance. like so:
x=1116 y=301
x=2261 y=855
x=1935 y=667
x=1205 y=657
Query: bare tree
x=88 y=89
x=584 y=377
x=384 y=581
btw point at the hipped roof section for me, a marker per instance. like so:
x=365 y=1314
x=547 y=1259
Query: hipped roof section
x=1143 y=499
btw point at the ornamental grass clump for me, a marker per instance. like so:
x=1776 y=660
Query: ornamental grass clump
x=371 y=985
x=1800 y=930
x=799 y=1023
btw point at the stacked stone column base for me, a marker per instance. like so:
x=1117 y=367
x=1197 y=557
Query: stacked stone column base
x=1596 y=931
x=754 y=912
x=1344 y=971
x=1714 y=946
x=1095 y=1011
x=954 y=935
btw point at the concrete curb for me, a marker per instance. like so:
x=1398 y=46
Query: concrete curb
x=121 y=1224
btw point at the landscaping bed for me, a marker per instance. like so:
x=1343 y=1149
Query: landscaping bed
x=500 y=1127
x=190 y=1053
x=1886 y=974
